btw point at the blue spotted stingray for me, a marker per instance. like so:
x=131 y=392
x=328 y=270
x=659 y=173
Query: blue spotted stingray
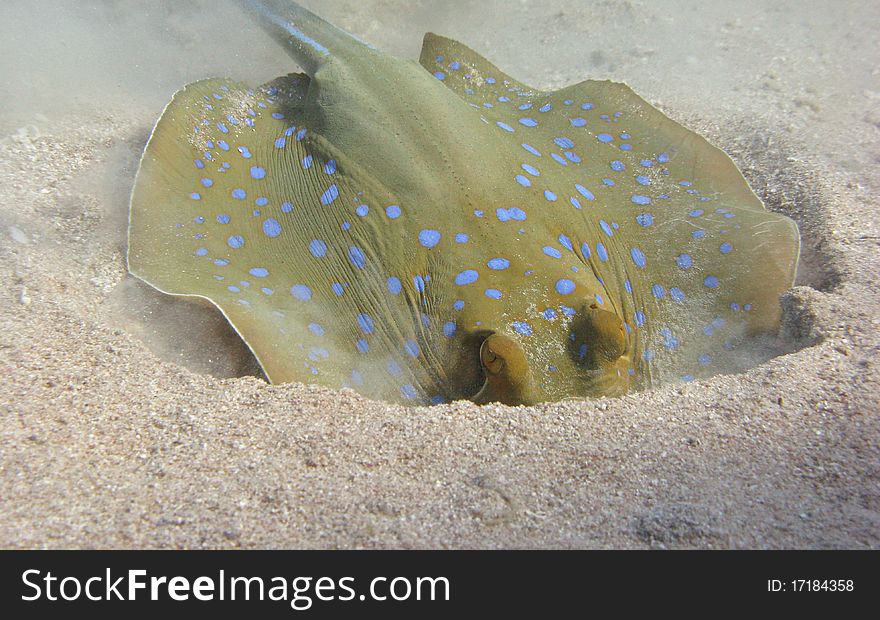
x=429 y=232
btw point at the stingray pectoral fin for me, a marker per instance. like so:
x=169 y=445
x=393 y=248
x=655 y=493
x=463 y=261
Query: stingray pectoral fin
x=508 y=376
x=460 y=68
x=238 y=202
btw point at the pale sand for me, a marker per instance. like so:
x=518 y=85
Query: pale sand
x=122 y=422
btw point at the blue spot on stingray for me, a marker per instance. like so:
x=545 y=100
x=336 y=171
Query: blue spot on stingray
x=235 y=241
x=429 y=238
x=440 y=75
x=245 y=152
x=586 y=106
x=316 y=329
x=585 y=250
x=645 y=219
x=207 y=182
x=725 y=248
x=528 y=122
x=504 y=126
x=704 y=359
x=499 y=264
x=550 y=196
x=566 y=242
x=618 y=165
x=195 y=196
x=627 y=285
x=514 y=213
x=223 y=145
x=564 y=286
x=525 y=106
x=261 y=201
x=606 y=228
x=601 y=252
x=677 y=294
x=578 y=121
x=647 y=163
x=468 y=276
x=461 y=238
x=318 y=248
x=408 y=391
x=458 y=305
x=449 y=329
x=604 y=137
x=393 y=212
x=550 y=314
x=356 y=256
x=337 y=288
x=223 y=128
x=365 y=322
x=271 y=228
x=583 y=191
x=419 y=283
x=330 y=167
x=280 y=142
x=711 y=282
x=202 y=252
x=545 y=108
x=239 y=194
x=362 y=345
x=698 y=234
x=286 y=207
x=552 y=252
x=641 y=200
x=330 y=195
x=574 y=202
x=259 y=272
x=394 y=286
x=640 y=318
x=267 y=291
x=301 y=292
x=531 y=170
x=573 y=157
x=412 y=348
x=563 y=143
x=608 y=182
x=522 y=328
x=658 y=291
x=493 y=293
x=638 y=257
x=307 y=162
x=532 y=150
x=684 y=261
x=643 y=180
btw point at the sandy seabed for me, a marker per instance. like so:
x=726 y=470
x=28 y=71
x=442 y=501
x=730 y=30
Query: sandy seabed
x=130 y=419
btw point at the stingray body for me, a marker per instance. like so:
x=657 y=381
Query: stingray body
x=428 y=232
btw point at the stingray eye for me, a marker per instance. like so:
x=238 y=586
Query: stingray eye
x=490 y=359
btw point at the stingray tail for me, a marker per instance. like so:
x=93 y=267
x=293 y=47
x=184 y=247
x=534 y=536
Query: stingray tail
x=310 y=40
